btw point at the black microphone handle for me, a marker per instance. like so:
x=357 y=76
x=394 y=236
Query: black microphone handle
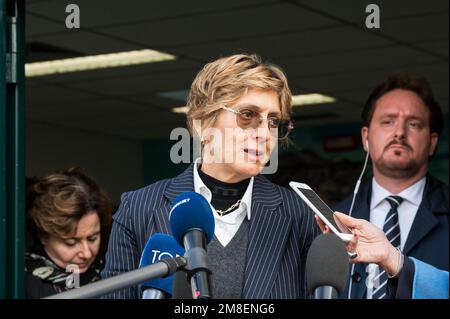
x=325 y=292
x=198 y=272
x=194 y=238
x=181 y=288
x=200 y=285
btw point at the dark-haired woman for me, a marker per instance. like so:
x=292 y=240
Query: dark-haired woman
x=66 y=212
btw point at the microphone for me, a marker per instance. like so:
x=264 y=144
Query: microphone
x=163 y=268
x=158 y=247
x=327 y=267
x=192 y=223
x=181 y=288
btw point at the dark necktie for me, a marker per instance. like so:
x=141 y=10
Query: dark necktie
x=391 y=229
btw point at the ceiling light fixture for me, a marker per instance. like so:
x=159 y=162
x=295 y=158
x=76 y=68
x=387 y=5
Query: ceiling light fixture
x=180 y=109
x=93 y=62
x=312 y=98
x=297 y=100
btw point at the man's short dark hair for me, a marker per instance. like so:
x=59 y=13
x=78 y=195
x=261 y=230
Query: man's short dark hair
x=406 y=81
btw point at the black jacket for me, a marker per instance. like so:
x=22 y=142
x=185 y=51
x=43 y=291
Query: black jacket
x=428 y=238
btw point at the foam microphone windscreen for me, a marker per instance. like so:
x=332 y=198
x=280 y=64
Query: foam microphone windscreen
x=191 y=210
x=160 y=246
x=327 y=263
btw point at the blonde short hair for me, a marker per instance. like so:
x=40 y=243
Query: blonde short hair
x=224 y=81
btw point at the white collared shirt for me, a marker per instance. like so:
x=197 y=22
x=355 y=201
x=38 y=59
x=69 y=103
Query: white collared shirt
x=379 y=208
x=226 y=226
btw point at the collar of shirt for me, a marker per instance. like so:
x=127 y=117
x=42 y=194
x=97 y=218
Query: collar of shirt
x=412 y=194
x=236 y=215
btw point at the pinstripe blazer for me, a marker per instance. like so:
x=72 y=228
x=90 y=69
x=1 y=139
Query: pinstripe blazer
x=281 y=230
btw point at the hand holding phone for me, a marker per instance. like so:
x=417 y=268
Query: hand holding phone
x=322 y=210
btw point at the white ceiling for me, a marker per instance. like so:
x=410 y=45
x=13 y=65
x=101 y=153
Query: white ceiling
x=323 y=45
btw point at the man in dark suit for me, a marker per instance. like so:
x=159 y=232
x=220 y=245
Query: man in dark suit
x=411 y=279
x=402 y=122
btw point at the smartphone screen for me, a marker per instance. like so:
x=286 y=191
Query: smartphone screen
x=323 y=208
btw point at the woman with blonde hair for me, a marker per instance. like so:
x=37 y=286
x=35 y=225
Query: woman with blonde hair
x=239 y=109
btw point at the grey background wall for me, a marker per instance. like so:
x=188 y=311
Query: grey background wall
x=116 y=163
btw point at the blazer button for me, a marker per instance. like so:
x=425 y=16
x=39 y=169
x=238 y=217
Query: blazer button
x=356 y=277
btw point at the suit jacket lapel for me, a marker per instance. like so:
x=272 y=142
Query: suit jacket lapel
x=180 y=184
x=362 y=211
x=268 y=233
x=425 y=221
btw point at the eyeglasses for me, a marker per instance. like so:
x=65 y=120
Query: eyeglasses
x=247 y=118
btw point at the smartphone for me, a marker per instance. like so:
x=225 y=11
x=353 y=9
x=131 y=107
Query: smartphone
x=322 y=210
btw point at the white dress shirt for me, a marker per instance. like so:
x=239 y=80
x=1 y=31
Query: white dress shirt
x=226 y=226
x=379 y=208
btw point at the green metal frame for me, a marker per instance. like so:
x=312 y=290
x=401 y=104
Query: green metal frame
x=12 y=149
x=2 y=149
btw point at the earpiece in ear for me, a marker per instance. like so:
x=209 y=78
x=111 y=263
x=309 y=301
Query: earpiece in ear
x=367 y=145
x=204 y=140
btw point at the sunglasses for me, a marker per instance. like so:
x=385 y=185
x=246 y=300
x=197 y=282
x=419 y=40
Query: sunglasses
x=248 y=118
